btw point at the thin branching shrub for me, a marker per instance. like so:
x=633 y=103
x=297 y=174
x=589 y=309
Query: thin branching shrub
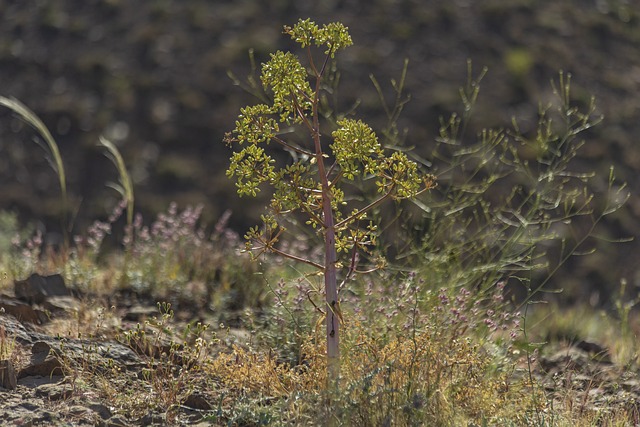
x=510 y=206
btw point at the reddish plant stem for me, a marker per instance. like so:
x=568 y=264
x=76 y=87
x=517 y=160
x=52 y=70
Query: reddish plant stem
x=330 y=274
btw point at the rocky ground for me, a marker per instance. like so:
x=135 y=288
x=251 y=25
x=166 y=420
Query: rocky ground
x=50 y=379
x=46 y=378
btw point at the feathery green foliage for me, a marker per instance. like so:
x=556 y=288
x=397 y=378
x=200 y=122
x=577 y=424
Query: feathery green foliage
x=315 y=183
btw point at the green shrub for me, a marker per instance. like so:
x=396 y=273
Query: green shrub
x=315 y=184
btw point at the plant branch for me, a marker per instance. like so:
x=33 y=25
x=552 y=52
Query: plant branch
x=300 y=113
x=338 y=176
x=292 y=147
x=365 y=209
x=293 y=257
x=312 y=63
x=308 y=210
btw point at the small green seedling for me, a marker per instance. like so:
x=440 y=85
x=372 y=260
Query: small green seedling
x=313 y=183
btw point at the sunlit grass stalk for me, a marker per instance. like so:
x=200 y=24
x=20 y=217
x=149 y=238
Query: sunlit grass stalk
x=30 y=118
x=125 y=186
x=125 y=189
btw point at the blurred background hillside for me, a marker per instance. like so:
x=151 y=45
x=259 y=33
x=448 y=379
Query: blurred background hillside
x=152 y=77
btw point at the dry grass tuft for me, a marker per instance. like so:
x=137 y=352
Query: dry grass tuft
x=423 y=378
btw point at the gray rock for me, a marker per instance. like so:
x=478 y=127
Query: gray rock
x=19 y=331
x=78 y=411
x=32 y=383
x=102 y=410
x=44 y=362
x=44 y=346
x=116 y=421
x=54 y=392
x=36 y=289
x=152 y=419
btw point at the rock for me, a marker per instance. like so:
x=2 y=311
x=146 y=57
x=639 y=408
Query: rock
x=17 y=330
x=36 y=289
x=597 y=351
x=45 y=349
x=44 y=362
x=47 y=356
x=78 y=411
x=49 y=292
x=60 y=304
x=152 y=419
x=27 y=414
x=22 y=311
x=117 y=421
x=34 y=382
x=197 y=401
x=8 y=378
x=139 y=313
x=102 y=410
x=53 y=392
